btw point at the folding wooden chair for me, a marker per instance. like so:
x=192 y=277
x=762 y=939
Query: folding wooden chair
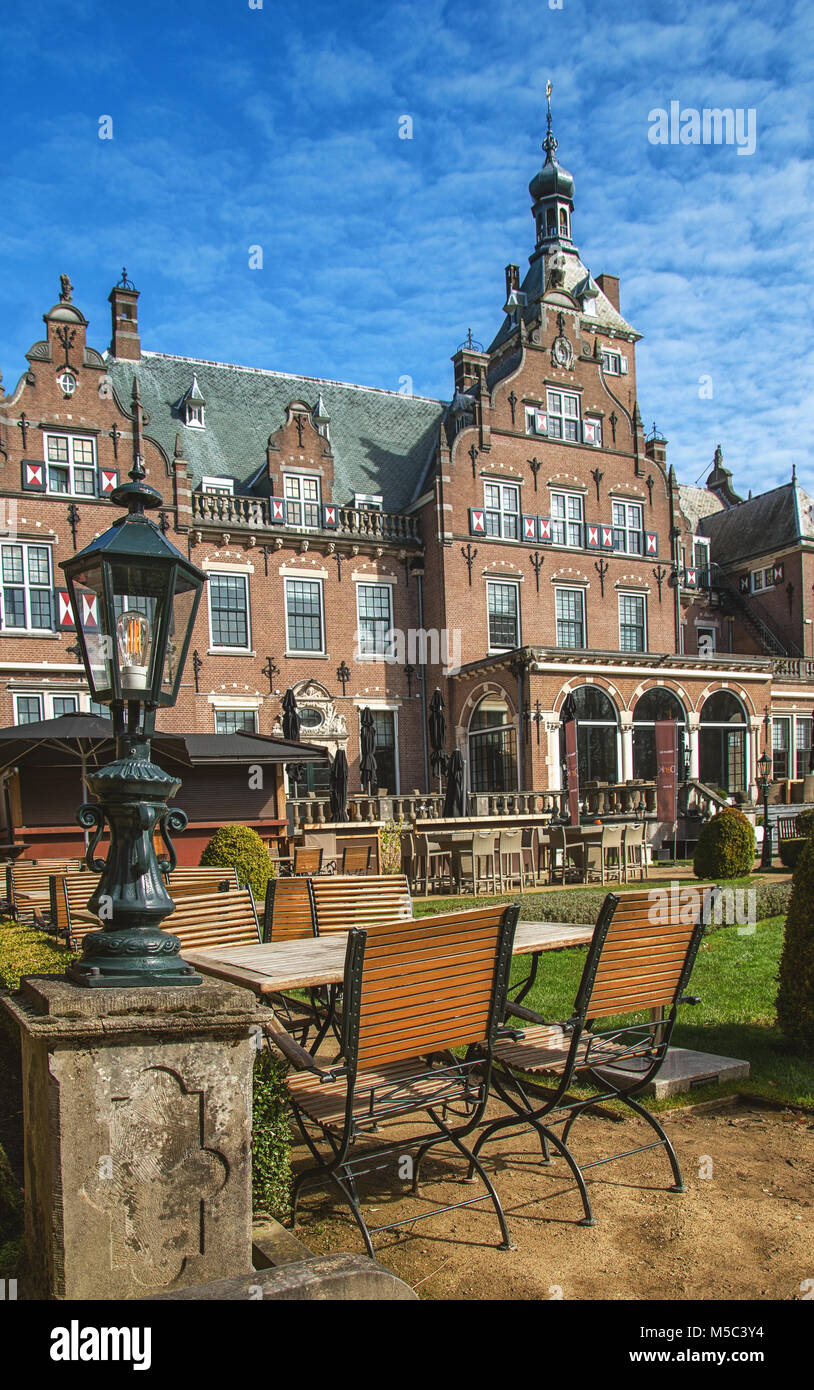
x=356 y=859
x=639 y=962
x=307 y=861
x=410 y=997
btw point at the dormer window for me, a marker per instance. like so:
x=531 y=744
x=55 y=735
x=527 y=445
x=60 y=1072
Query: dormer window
x=368 y=502
x=192 y=405
x=223 y=486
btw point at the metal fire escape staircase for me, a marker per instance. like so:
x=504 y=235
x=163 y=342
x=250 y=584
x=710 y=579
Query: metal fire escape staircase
x=761 y=624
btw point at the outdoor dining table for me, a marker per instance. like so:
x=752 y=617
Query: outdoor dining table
x=279 y=966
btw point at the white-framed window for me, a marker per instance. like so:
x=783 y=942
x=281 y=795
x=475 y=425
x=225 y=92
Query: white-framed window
x=194 y=416
x=71 y=464
x=305 y=628
x=700 y=552
x=229 y=626
x=368 y=501
x=567 y=518
x=535 y=420
x=229 y=721
x=224 y=486
x=66 y=704
x=302 y=499
x=374 y=620
x=26 y=587
x=781 y=748
x=802 y=743
x=502 y=507
x=503 y=608
x=27 y=709
x=563 y=415
x=705 y=641
x=628 y=526
x=632 y=623
x=67 y=382
x=762 y=579
x=613 y=363
x=569 y=605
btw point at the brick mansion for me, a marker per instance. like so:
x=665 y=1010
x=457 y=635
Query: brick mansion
x=529 y=517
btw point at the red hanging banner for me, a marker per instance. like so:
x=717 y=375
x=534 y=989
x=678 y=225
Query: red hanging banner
x=572 y=769
x=666 y=770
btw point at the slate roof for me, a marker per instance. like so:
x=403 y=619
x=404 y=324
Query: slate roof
x=697 y=502
x=575 y=275
x=382 y=441
x=763 y=525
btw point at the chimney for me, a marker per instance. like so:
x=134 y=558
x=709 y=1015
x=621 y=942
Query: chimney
x=123 y=299
x=609 y=285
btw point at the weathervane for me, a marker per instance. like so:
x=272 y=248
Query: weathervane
x=550 y=142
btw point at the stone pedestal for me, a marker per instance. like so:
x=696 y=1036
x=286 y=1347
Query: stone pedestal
x=138 y=1109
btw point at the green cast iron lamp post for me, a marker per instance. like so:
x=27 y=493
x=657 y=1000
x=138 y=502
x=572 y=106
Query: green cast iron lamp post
x=764 y=768
x=134 y=599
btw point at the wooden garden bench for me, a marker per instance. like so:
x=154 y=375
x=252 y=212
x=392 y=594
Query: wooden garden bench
x=408 y=995
x=788 y=827
x=638 y=964
x=28 y=886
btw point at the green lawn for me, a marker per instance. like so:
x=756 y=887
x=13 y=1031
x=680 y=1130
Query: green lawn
x=736 y=976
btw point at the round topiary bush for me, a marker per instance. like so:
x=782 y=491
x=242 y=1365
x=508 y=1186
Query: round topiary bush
x=242 y=847
x=795 y=996
x=726 y=846
x=805 y=823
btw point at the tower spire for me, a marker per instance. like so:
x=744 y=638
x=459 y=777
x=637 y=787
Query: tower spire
x=550 y=142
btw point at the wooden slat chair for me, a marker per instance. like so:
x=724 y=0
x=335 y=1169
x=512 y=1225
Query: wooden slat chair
x=203 y=920
x=356 y=859
x=71 y=918
x=307 y=861
x=201 y=879
x=289 y=916
x=638 y=964
x=788 y=828
x=28 y=888
x=341 y=903
x=409 y=996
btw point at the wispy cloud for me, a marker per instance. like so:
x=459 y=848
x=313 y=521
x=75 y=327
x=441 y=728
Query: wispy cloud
x=232 y=129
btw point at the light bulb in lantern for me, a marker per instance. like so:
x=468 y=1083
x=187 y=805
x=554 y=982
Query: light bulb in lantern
x=133 y=636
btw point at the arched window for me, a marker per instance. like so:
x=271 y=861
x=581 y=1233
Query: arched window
x=658 y=703
x=597 y=736
x=722 y=743
x=563 y=221
x=492 y=747
x=551 y=221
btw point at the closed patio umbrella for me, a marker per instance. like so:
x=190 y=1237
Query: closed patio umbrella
x=438 y=734
x=291 y=732
x=454 y=799
x=368 y=773
x=339 y=786
x=568 y=720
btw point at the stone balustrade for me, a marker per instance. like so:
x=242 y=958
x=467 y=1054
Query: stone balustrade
x=228 y=511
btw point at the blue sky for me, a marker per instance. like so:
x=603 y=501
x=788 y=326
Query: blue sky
x=236 y=127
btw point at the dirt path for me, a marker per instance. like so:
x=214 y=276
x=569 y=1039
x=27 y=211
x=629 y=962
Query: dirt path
x=744 y=1231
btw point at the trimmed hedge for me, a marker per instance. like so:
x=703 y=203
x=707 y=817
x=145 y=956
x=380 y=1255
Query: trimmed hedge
x=726 y=846
x=241 y=847
x=271 y=1138
x=795 y=995
x=790 y=850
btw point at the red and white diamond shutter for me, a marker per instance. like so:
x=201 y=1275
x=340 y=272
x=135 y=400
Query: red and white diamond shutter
x=63 y=610
x=277 y=515
x=529 y=528
x=477 y=521
x=330 y=516
x=33 y=475
x=651 y=543
x=108 y=481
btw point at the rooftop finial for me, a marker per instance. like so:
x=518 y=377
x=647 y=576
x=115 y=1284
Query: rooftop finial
x=550 y=142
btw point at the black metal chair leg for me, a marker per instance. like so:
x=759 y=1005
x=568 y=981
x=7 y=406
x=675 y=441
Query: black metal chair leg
x=355 y=1209
x=589 y=1219
x=678 y=1178
x=506 y=1243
